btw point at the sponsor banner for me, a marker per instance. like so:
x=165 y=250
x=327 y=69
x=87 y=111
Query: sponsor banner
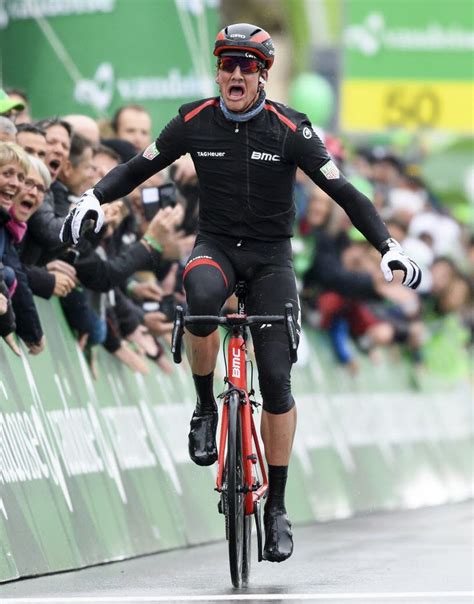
x=408 y=68
x=95 y=470
x=374 y=105
x=93 y=56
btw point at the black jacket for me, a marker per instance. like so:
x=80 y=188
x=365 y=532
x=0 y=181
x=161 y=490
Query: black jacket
x=101 y=275
x=246 y=171
x=41 y=242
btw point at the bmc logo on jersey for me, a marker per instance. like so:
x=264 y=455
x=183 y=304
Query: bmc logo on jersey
x=264 y=156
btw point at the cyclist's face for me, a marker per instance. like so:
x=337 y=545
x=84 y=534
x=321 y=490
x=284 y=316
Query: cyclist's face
x=238 y=90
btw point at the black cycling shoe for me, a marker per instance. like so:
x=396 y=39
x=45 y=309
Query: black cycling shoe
x=202 y=439
x=278 y=536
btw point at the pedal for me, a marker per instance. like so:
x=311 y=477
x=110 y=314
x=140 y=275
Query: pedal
x=258 y=526
x=220 y=506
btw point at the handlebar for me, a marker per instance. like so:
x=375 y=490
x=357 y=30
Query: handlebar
x=233 y=320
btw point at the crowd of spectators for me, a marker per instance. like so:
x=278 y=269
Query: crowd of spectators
x=342 y=288
x=118 y=289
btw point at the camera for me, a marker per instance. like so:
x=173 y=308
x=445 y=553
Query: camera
x=157 y=198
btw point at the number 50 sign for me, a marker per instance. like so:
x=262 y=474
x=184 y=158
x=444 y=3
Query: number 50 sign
x=369 y=105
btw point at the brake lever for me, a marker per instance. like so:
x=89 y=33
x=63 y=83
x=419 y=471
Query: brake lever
x=291 y=332
x=177 y=335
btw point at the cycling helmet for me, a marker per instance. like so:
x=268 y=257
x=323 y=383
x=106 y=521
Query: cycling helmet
x=244 y=37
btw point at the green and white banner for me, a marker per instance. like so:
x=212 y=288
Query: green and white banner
x=408 y=64
x=97 y=469
x=92 y=56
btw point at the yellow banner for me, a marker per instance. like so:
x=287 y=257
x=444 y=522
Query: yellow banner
x=369 y=105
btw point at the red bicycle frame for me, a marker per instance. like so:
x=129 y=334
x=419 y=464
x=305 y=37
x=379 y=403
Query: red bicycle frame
x=252 y=454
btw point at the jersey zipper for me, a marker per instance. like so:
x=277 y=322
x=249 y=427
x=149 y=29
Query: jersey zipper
x=236 y=127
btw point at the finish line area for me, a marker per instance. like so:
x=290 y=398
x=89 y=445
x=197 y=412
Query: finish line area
x=420 y=556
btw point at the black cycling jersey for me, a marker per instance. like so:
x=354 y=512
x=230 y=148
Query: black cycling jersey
x=246 y=171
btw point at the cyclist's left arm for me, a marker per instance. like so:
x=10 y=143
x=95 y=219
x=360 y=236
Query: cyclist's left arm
x=311 y=156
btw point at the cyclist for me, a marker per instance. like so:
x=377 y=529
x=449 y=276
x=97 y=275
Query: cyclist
x=246 y=149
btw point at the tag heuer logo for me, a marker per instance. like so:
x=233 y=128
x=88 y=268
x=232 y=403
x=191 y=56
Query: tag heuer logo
x=151 y=152
x=210 y=153
x=330 y=170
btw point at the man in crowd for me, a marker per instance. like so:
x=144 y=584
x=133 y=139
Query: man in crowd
x=9 y=106
x=133 y=123
x=33 y=140
x=7 y=130
x=85 y=126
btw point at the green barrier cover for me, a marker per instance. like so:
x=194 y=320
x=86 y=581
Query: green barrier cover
x=94 y=470
x=97 y=55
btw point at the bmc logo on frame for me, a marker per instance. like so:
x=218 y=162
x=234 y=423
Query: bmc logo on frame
x=264 y=156
x=236 y=363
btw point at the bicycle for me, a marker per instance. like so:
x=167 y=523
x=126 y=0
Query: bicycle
x=241 y=475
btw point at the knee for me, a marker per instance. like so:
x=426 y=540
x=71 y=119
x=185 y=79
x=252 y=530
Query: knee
x=275 y=388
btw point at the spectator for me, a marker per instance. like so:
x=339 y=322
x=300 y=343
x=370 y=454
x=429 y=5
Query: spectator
x=133 y=123
x=15 y=170
x=58 y=144
x=21 y=116
x=105 y=158
x=123 y=148
x=77 y=173
x=85 y=126
x=42 y=242
x=7 y=130
x=57 y=278
x=9 y=105
x=33 y=140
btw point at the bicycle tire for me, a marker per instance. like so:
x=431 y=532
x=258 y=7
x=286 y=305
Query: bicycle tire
x=238 y=524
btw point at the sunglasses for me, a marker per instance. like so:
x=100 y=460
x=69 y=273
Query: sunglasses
x=246 y=65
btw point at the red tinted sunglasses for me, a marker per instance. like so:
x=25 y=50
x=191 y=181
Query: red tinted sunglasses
x=246 y=65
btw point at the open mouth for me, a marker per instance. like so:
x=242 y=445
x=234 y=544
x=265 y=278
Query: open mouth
x=6 y=198
x=236 y=92
x=27 y=204
x=54 y=164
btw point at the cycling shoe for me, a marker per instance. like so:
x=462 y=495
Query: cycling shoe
x=202 y=439
x=278 y=536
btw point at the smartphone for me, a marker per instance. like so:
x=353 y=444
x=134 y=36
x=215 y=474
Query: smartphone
x=156 y=198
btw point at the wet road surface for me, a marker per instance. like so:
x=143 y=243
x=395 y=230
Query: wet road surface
x=420 y=556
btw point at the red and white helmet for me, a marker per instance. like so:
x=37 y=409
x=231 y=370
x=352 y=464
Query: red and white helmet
x=243 y=38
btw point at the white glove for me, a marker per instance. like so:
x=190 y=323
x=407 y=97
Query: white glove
x=87 y=208
x=394 y=258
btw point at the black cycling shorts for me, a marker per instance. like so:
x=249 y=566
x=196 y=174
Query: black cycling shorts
x=213 y=269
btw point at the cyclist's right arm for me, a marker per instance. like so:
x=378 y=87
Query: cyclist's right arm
x=169 y=145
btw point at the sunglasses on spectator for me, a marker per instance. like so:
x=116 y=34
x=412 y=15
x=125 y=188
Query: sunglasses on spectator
x=246 y=65
x=31 y=184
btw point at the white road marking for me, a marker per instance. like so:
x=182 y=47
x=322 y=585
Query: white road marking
x=380 y=596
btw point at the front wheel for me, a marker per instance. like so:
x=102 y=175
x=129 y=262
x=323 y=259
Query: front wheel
x=239 y=525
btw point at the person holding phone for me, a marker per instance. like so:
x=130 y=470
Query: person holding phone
x=246 y=149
